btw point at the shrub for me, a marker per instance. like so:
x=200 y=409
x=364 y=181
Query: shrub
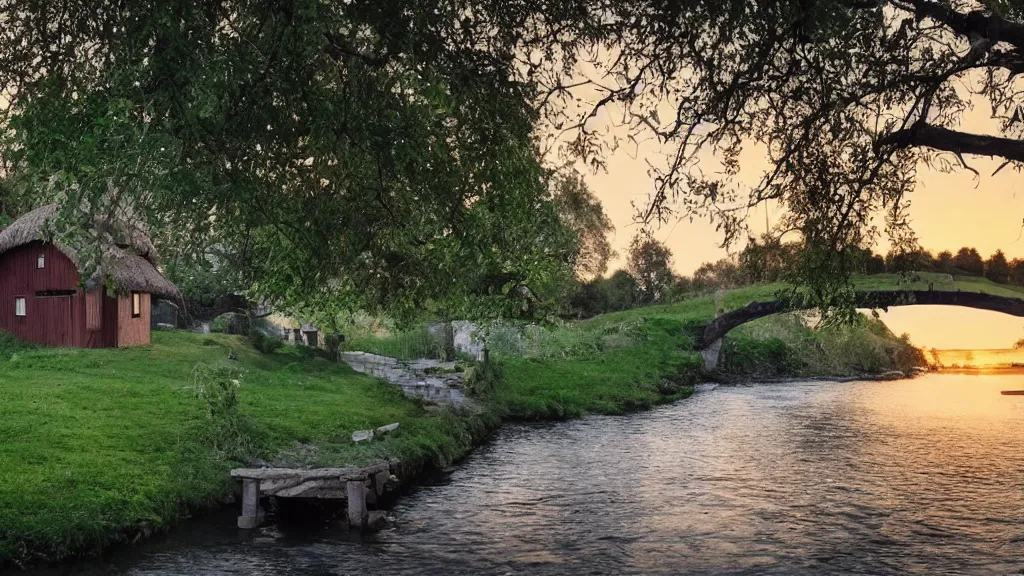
x=232 y=435
x=769 y=357
x=264 y=343
x=9 y=345
x=410 y=345
x=864 y=345
x=332 y=345
x=484 y=377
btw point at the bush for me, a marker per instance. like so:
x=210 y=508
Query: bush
x=770 y=357
x=264 y=343
x=863 y=346
x=561 y=342
x=332 y=345
x=9 y=345
x=232 y=435
x=484 y=377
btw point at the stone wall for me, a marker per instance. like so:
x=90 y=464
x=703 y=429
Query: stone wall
x=467 y=338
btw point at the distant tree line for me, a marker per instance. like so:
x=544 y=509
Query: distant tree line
x=965 y=262
x=648 y=277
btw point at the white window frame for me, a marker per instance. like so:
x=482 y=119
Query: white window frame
x=40 y=261
x=136 y=304
x=20 y=306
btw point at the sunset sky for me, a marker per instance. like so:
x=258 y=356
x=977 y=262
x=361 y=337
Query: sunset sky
x=948 y=211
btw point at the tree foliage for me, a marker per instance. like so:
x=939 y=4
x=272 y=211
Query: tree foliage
x=944 y=262
x=366 y=154
x=581 y=212
x=848 y=98
x=649 y=262
x=381 y=153
x=997 y=269
x=600 y=295
x=968 y=260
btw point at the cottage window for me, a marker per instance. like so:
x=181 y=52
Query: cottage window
x=136 y=304
x=19 y=306
x=41 y=261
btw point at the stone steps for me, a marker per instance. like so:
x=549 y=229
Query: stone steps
x=411 y=376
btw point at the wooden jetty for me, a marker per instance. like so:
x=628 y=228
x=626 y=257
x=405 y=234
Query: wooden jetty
x=358 y=486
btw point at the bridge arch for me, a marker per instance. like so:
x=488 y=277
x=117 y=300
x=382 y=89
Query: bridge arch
x=710 y=341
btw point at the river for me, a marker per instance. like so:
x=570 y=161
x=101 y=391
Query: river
x=923 y=476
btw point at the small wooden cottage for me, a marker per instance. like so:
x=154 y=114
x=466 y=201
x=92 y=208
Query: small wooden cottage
x=44 y=299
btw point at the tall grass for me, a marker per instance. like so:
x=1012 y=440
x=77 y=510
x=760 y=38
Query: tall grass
x=565 y=341
x=408 y=345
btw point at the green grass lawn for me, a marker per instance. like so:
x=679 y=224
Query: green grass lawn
x=601 y=369
x=105 y=445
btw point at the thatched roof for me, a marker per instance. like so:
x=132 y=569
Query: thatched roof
x=130 y=265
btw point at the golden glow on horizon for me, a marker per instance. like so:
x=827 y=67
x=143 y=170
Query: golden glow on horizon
x=954 y=327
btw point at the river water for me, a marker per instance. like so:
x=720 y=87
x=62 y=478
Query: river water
x=923 y=476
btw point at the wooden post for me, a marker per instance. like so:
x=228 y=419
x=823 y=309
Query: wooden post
x=357 y=513
x=251 y=516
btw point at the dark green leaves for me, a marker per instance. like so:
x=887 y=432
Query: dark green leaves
x=359 y=154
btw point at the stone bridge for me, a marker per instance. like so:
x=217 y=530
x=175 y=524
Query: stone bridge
x=710 y=341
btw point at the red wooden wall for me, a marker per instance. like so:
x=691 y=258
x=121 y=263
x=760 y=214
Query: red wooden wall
x=50 y=320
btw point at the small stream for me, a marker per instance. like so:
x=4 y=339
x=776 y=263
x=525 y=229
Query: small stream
x=923 y=476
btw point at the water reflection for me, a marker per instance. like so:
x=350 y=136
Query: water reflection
x=874 y=478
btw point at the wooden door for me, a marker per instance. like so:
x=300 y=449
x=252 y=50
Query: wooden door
x=55 y=315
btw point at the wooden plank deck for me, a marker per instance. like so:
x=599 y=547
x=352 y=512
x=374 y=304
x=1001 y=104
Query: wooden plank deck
x=358 y=486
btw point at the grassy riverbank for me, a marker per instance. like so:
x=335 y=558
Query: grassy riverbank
x=640 y=357
x=101 y=446
x=105 y=446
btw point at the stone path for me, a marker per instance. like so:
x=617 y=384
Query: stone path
x=413 y=376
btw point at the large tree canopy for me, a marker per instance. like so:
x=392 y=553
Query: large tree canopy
x=371 y=153
x=382 y=150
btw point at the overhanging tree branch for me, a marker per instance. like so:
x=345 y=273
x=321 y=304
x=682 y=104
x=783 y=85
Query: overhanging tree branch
x=974 y=24
x=955 y=141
